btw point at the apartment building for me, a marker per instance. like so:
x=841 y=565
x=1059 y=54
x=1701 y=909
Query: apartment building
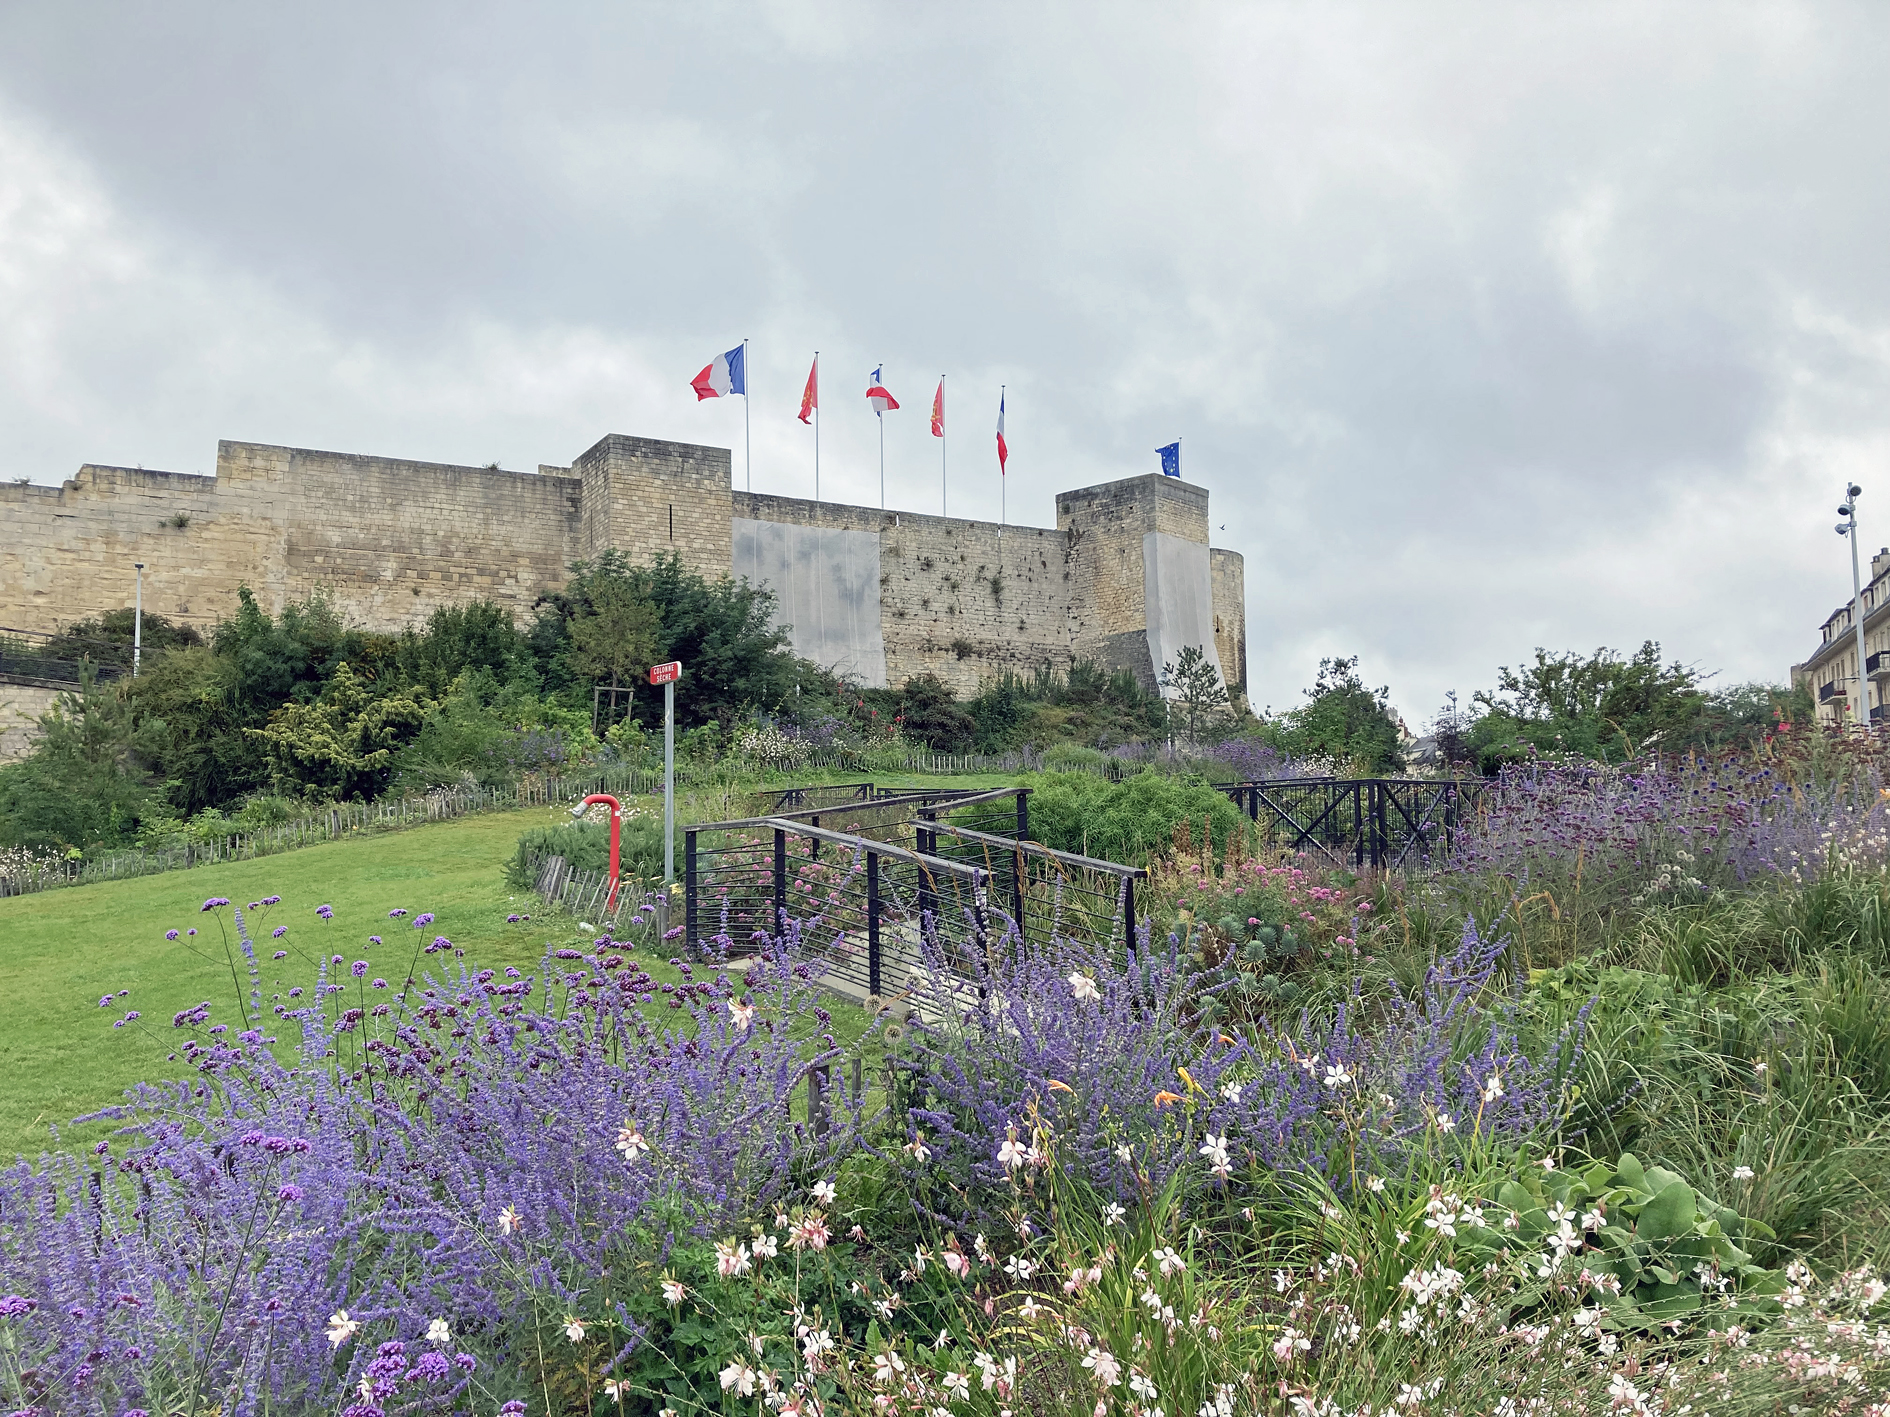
x=1831 y=672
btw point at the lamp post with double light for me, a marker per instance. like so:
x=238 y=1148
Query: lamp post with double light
x=1860 y=710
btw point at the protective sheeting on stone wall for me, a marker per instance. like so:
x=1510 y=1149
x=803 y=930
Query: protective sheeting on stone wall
x=1178 y=591
x=827 y=583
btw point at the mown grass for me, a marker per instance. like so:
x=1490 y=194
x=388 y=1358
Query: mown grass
x=60 y=951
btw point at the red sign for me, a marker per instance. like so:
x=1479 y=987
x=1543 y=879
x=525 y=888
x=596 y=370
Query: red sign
x=666 y=673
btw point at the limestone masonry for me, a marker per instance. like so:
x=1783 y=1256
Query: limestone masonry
x=1126 y=578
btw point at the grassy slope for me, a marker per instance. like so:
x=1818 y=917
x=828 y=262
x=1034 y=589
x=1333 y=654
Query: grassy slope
x=61 y=950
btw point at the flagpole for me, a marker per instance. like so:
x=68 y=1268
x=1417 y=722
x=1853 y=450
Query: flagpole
x=944 y=484
x=882 y=460
x=748 y=447
x=816 y=427
x=1003 y=481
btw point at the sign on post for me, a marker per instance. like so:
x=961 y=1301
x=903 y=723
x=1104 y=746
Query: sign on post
x=667 y=675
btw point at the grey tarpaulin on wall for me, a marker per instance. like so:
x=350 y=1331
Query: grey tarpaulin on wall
x=826 y=581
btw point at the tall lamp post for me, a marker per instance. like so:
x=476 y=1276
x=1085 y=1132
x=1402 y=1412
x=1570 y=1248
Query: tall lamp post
x=137 y=623
x=1860 y=712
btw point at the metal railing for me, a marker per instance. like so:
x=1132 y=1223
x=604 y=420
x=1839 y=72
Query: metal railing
x=1386 y=823
x=1047 y=892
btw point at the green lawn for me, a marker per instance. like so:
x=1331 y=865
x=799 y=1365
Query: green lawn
x=61 y=950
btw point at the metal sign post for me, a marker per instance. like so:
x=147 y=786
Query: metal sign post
x=667 y=675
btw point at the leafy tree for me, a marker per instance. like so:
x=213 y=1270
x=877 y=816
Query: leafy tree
x=477 y=635
x=616 y=635
x=931 y=713
x=343 y=745
x=197 y=717
x=1198 y=691
x=87 y=780
x=107 y=638
x=1602 y=707
x=1344 y=721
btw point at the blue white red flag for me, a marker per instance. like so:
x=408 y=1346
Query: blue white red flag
x=1003 y=449
x=727 y=374
x=1171 y=459
x=877 y=396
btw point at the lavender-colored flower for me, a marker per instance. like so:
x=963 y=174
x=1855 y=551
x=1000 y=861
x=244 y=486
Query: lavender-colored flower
x=423 y=919
x=170 y=934
x=396 y=913
x=289 y=1194
x=327 y=912
x=280 y=954
x=374 y=939
x=359 y=968
x=380 y=984
x=272 y=900
x=278 y=932
x=191 y=931
x=213 y=903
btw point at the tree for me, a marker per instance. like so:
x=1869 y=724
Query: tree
x=87 y=780
x=931 y=713
x=1602 y=707
x=107 y=638
x=476 y=635
x=342 y=746
x=1344 y=722
x=1196 y=687
x=617 y=635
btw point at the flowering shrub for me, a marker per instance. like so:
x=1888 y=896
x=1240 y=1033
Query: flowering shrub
x=767 y=746
x=441 y=1150
x=1112 y=1070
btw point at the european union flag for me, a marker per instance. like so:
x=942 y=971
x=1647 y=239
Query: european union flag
x=1171 y=459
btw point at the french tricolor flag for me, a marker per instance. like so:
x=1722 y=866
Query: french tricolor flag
x=726 y=375
x=877 y=395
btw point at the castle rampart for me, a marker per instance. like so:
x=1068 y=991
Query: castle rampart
x=1126 y=577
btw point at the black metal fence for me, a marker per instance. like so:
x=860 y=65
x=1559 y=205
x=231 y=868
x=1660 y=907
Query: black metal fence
x=1388 y=823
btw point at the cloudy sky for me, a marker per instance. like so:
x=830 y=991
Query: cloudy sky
x=1488 y=326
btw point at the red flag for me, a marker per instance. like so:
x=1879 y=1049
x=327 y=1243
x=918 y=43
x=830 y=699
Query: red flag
x=938 y=411
x=810 y=398
x=1003 y=448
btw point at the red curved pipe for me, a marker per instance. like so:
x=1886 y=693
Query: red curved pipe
x=616 y=833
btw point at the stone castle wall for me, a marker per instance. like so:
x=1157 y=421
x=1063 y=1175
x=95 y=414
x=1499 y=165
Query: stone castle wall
x=1125 y=577
x=392 y=540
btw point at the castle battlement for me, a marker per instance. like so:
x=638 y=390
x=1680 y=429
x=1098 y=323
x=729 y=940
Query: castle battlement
x=1126 y=577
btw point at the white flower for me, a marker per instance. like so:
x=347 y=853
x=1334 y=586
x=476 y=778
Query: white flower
x=1337 y=1076
x=1492 y=1089
x=1124 y=1154
x=673 y=1292
x=1215 y=1150
x=743 y=1014
x=1742 y=1173
x=574 y=1328
x=920 y=1151
x=1113 y=1213
x=1169 y=1262
x=731 y=1258
x=1103 y=1364
x=1446 y=1123
x=957 y=1263
x=887 y=1366
x=341 y=1328
x=958 y=1385
x=919 y=1256
x=738 y=1377
x=824 y=1192
x=1141 y=1386
x=509 y=1220
x=615 y=1388
x=1084 y=987
x=438 y=1332
x=1029 y=1309
x=1375 y=1183
x=630 y=1141
x=1231 y=1091
x=1594 y=1219
x=1012 y=1153
x=1289 y=1345
x=763 y=1247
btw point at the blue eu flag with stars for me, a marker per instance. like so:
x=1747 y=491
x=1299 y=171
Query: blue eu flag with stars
x=1171 y=459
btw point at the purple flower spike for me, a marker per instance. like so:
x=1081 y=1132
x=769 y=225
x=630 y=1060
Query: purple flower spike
x=105 y=1000
x=289 y=1193
x=327 y=912
x=170 y=934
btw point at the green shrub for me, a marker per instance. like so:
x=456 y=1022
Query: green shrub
x=585 y=846
x=1067 y=757
x=1127 y=821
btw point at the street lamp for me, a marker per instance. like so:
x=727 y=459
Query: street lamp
x=1860 y=713
x=616 y=834
x=137 y=623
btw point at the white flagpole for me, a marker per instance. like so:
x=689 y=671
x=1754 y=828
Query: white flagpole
x=944 y=485
x=816 y=427
x=1003 y=481
x=748 y=453
x=880 y=414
